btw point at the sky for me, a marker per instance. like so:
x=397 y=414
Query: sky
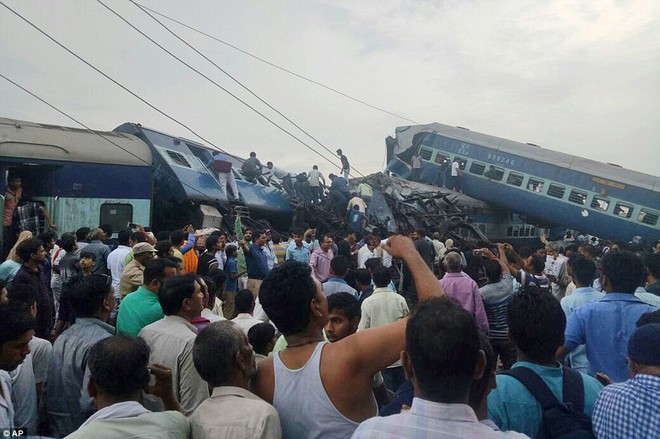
x=576 y=77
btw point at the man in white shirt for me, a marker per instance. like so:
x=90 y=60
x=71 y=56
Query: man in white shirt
x=382 y=308
x=224 y=358
x=280 y=174
x=456 y=175
x=416 y=167
x=366 y=252
x=555 y=270
x=171 y=340
x=357 y=201
x=245 y=307
x=116 y=264
x=314 y=178
x=441 y=358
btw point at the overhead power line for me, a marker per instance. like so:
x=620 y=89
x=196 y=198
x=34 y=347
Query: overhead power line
x=99 y=134
x=272 y=64
x=217 y=85
x=236 y=80
x=117 y=83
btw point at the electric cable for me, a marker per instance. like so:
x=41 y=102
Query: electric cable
x=216 y=84
x=236 y=80
x=272 y=64
x=99 y=134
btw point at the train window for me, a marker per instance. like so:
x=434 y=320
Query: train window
x=535 y=184
x=623 y=210
x=477 y=168
x=648 y=216
x=117 y=215
x=441 y=158
x=577 y=197
x=600 y=203
x=509 y=231
x=178 y=159
x=425 y=153
x=556 y=190
x=515 y=179
x=461 y=163
x=494 y=173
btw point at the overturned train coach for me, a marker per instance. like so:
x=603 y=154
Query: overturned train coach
x=129 y=175
x=602 y=199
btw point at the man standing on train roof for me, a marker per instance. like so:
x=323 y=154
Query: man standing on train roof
x=416 y=166
x=345 y=166
x=252 y=167
x=280 y=174
x=314 y=179
x=441 y=178
x=456 y=175
x=223 y=167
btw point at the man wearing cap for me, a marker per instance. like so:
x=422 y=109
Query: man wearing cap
x=630 y=409
x=133 y=275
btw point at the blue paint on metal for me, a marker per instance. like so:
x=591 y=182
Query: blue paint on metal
x=541 y=205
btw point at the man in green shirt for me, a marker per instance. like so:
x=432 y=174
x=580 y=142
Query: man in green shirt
x=141 y=307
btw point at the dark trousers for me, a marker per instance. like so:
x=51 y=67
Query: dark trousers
x=316 y=193
x=393 y=377
x=506 y=350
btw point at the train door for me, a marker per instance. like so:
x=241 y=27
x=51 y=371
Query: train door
x=36 y=186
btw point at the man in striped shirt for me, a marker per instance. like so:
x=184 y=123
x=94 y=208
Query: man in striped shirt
x=497 y=295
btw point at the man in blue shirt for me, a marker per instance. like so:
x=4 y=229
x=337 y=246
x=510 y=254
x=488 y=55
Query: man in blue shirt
x=299 y=250
x=536 y=327
x=68 y=402
x=257 y=264
x=339 y=193
x=582 y=271
x=605 y=327
x=336 y=282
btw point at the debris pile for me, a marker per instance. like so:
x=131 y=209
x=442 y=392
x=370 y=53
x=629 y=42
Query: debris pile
x=400 y=205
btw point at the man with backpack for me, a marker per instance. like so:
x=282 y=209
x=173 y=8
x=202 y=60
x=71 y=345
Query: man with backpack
x=538 y=396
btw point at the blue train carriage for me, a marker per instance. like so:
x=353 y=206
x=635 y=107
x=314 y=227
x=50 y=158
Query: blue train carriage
x=598 y=198
x=83 y=178
x=187 y=190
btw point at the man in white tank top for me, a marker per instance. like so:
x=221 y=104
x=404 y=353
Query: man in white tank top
x=319 y=389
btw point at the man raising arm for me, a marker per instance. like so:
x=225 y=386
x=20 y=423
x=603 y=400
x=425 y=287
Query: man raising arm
x=315 y=401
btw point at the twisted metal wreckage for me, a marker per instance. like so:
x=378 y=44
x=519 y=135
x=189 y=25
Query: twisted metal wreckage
x=400 y=205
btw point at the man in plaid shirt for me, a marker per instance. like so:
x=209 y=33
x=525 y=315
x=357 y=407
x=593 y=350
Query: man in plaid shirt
x=630 y=409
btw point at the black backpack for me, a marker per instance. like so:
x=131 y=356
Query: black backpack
x=561 y=420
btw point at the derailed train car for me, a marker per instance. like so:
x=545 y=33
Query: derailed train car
x=546 y=186
x=186 y=186
x=132 y=174
x=81 y=178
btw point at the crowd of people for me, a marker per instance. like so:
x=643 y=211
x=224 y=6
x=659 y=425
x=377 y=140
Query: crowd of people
x=258 y=334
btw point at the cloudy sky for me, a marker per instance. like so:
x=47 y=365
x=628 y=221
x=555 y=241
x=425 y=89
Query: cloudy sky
x=577 y=77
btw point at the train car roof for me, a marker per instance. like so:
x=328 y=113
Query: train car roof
x=534 y=152
x=30 y=140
